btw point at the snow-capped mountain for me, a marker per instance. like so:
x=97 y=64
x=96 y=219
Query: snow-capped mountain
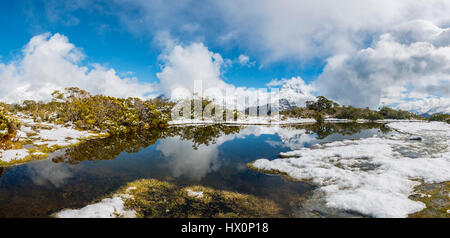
x=294 y=93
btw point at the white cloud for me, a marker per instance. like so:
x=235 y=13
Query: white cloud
x=278 y=30
x=296 y=91
x=427 y=105
x=408 y=62
x=184 y=65
x=375 y=49
x=50 y=62
x=244 y=60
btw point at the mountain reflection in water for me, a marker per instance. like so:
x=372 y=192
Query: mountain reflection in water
x=213 y=156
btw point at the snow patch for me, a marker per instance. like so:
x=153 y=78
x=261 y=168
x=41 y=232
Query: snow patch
x=107 y=208
x=372 y=176
x=11 y=155
x=194 y=194
x=246 y=121
x=61 y=136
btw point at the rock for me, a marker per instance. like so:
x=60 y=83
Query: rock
x=416 y=138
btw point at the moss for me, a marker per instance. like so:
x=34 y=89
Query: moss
x=154 y=198
x=436 y=198
x=273 y=172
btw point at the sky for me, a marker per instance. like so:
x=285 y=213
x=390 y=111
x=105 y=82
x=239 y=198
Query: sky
x=361 y=53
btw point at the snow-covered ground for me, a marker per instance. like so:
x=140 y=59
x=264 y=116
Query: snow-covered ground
x=275 y=120
x=43 y=134
x=246 y=121
x=107 y=208
x=373 y=176
x=11 y=155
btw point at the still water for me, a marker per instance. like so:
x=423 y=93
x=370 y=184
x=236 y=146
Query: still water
x=212 y=156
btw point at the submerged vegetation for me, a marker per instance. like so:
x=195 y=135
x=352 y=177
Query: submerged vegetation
x=436 y=199
x=151 y=198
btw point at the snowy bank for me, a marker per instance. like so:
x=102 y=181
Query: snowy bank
x=42 y=138
x=372 y=176
x=275 y=121
x=245 y=121
x=107 y=208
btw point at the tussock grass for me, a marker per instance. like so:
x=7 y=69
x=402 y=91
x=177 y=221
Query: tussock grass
x=153 y=198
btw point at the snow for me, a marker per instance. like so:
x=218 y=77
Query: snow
x=246 y=121
x=107 y=208
x=422 y=128
x=194 y=194
x=61 y=136
x=51 y=134
x=295 y=92
x=373 y=176
x=11 y=155
x=4 y=132
x=337 y=120
x=43 y=133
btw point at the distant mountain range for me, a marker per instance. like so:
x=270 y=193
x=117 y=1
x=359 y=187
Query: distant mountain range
x=294 y=93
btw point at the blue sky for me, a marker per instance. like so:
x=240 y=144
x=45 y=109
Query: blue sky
x=361 y=53
x=105 y=40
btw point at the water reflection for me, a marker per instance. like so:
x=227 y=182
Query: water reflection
x=204 y=135
x=111 y=147
x=182 y=160
x=3 y=170
x=49 y=174
x=212 y=156
x=324 y=130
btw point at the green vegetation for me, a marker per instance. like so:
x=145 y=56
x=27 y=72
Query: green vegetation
x=116 y=116
x=389 y=113
x=440 y=117
x=153 y=198
x=207 y=109
x=322 y=104
x=39 y=111
x=436 y=199
x=8 y=125
x=323 y=108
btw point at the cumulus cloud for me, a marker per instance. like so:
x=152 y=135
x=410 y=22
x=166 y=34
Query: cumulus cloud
x=427 y=105
x=411 y=61
x=278 y=30
x=50 y=62
x=376 y=51
x=195 y=69
x=185 y=65
x=244 y=60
